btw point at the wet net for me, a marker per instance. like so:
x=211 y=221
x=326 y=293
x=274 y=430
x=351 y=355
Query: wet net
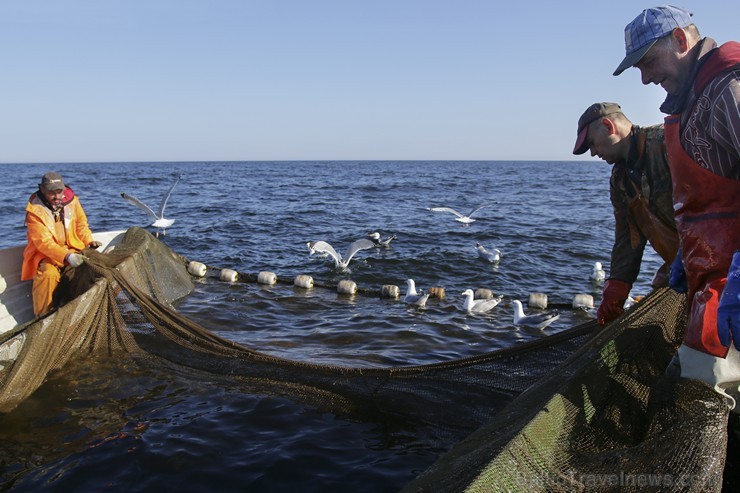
x=581 y=410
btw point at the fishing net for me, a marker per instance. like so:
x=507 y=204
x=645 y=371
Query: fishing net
x=584 y=409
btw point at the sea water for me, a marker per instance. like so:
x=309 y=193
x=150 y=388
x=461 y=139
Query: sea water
x=144 y=426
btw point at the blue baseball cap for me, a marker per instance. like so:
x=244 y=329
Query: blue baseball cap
x=647 y=28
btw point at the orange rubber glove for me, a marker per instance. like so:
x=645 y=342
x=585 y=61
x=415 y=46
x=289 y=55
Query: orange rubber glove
x=612 y=300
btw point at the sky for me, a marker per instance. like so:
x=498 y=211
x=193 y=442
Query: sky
x=273 y=80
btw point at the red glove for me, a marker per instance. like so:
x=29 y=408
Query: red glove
x=612 y=300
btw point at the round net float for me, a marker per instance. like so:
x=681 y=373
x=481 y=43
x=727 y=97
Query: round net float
x=228 y=275
x=537 y=300
x=483 y=294
x=583 y=301
x=196 y=269
x=437 y=292
x=346 y=286
x=266 y=277
x=390 y=291
x=303 y=281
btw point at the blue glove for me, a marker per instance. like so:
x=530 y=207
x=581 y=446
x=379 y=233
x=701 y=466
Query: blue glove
x=728 y=313
x=677 y=276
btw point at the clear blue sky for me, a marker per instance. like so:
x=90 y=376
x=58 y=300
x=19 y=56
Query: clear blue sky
x=187 y=80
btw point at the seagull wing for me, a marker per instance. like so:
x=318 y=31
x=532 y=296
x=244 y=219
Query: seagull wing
x=419 y=300
x=446 y=209
x=541 y=320
x=486 y=305
x=477 y=209
x=141 y=205
x=361 y=244
x=167 y=196
x=324 y=247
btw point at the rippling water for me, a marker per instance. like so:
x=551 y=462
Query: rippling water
x=139 y=426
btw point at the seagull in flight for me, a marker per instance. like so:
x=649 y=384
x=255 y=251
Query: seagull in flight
x=488 y=256
x=381 y=243
x=339 y=261
x=598 y=276
x=535 y=321
x=478 y=306
x=158 y=219
x=465 y=219
x=413 y=297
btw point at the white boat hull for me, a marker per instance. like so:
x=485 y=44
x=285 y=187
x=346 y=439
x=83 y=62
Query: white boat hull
x=16 y=305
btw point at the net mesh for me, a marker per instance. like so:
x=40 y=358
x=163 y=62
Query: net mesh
x=581 y=410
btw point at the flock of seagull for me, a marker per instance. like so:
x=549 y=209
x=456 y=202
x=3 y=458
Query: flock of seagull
x=418 y=298
x=412 y=296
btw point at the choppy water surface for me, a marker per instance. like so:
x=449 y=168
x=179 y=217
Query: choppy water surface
x=142 y=426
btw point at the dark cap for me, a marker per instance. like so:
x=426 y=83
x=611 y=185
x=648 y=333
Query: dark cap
x=592 y=113
x=52 y=181
x=647 y=28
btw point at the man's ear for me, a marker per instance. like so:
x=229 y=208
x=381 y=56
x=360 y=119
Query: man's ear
x=681 y=38
x=610 y=127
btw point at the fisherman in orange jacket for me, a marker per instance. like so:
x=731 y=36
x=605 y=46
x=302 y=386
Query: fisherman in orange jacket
x=57 y=232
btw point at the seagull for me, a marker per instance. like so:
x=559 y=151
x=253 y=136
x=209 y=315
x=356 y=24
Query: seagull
x=478 y=306
x=536 y=321
x=339 y=261
x=412 y=297
x=598 y=276
x=158 y=219
x=488 y=256
x=460 y=217
x=381 y=243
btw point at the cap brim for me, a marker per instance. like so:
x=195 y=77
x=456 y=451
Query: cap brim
x=633 y=58
x=581 y=144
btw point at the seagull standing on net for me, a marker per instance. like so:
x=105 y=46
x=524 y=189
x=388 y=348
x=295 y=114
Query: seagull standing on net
x=413 y=297
x=478 y=306
x=339 y=261
x=158 y=219
x=535 y=321
x=488 y=256
x=381 y=243
x=460 y=217
x=598 y=276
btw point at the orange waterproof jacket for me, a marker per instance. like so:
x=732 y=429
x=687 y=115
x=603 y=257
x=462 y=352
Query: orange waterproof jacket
x=43 y=242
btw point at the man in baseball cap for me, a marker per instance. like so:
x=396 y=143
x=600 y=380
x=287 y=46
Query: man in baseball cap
x=58 y=232
x=702 y=82
x=640 y=193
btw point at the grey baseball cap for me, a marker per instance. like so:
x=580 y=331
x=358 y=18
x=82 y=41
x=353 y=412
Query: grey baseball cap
x=593 y=112
x=52 y=181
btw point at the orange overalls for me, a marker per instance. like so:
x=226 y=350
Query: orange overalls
x=50 y=239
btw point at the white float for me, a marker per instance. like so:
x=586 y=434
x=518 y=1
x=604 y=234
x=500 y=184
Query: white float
x=537 y=300
x=197 y=269
x=303 y=281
